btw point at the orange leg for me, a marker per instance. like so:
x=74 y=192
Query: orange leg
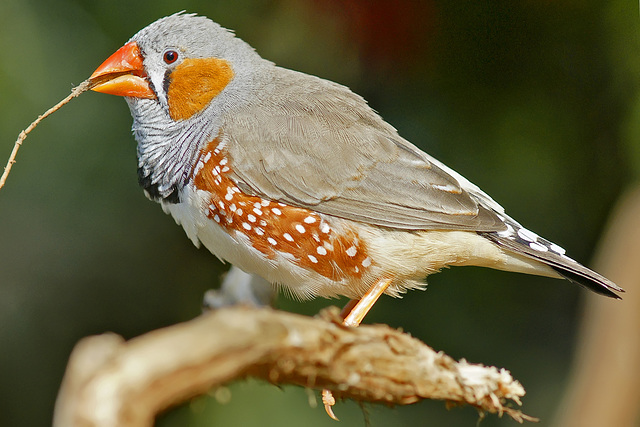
x=353 y=314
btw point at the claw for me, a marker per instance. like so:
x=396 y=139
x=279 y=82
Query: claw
x=329 y=401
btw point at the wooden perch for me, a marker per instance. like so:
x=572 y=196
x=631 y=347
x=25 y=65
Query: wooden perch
x=110 y=382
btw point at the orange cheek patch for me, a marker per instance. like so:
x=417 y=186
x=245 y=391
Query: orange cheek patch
x=296 y=233
x=194 y=83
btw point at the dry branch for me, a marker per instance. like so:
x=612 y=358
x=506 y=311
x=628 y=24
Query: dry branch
x=110 y=382
x=75 y=92
x=82 y=87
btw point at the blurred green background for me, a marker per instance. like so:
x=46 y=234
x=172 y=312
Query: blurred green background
x=534 y=101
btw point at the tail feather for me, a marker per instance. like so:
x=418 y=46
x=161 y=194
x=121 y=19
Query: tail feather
x=594 y=282
x=524 y=242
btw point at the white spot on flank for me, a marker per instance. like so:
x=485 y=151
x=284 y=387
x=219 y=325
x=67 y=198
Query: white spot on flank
x=251 y=218
x=223 y=161
x=259 y=231
x=321 y=250
x=264 y=202
x=263 y=223
x=366 y=262
x=282 y=204
x=272 y=241
x=527 y=235
x=276 y=211
x=221 y=204
x=300 y=228
x=239 y=212
x=328 y=246
x=309 y=220
x=246 y=226
x=225 y=169
x=232 y=207
x=324 y=227
x=538 y=247
x=257 y=211
x=313 y=259
x=288 y=237
x=207 y=156
x=216 y=218
x=228 y=197
x=352 y=251
x=198 y=168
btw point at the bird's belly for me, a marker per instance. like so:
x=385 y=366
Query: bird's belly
x=307 y=253
x=310 y=254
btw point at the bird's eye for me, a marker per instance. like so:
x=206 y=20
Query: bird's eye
x=170 y=56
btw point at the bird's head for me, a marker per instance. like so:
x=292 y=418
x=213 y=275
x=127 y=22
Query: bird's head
x=183 y=62
x=180 y=76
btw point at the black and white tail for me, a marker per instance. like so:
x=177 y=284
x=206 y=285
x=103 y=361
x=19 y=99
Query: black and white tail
x=525 y=242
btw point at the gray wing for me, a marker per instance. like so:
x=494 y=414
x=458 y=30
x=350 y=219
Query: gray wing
x=312 y=143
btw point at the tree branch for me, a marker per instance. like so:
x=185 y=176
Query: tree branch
x=110 y=382
x=76 y=91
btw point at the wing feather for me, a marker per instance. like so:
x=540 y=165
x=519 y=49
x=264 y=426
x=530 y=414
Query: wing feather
x=318 y=145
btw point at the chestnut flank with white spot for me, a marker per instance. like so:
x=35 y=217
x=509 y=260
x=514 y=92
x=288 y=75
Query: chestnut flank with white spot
x=300 y=235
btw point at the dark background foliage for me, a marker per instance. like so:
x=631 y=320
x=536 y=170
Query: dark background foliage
x=534 y=101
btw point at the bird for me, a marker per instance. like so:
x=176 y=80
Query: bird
x=296 y=179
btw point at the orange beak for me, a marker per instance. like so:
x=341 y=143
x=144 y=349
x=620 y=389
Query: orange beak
x=123 y=74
